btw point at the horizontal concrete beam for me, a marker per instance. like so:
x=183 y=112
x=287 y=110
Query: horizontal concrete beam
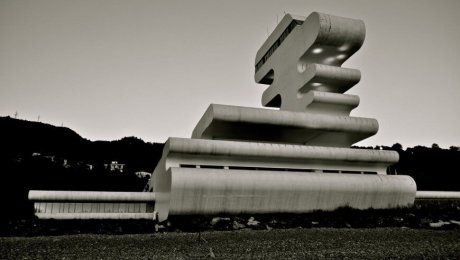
x=319 y=102
x=274 y=152
x=421 y=195
x=267 y=125
x=151 y=216
x=91 y=196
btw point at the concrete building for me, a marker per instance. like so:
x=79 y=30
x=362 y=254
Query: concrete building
x=297 y=158
x=142 y=174
x=287 y=160
x=114 y=166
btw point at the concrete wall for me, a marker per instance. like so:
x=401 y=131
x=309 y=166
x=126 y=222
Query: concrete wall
x=93 y=205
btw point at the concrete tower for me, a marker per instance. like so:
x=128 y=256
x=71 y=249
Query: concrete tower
x=292 y=159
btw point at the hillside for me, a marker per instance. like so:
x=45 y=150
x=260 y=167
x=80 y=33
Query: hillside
x=22 y=138
x=41 y=156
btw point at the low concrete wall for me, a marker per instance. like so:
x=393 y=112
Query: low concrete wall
x=93 y=205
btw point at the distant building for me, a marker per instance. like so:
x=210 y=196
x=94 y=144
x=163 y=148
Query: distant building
x=52 y=158
x=115 y=166
x=65 y=164
x=89 y=167
x=142 y=174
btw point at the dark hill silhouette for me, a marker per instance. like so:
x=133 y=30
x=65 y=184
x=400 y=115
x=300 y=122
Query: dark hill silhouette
x=36 y=155
x=23 y=137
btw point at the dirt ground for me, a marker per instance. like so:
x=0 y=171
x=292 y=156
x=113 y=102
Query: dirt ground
x=378 y=243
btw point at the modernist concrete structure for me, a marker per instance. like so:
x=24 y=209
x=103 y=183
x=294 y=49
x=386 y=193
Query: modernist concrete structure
x=297 y=158
x=292 y=159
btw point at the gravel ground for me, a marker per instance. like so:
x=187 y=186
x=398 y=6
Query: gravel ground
x=379 y=243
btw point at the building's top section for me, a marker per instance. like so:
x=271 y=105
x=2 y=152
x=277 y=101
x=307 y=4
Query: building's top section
x=282 y=30
x=301 y=62
x=306 y=54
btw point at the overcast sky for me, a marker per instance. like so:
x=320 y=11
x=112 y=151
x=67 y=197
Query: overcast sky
x=109 y=69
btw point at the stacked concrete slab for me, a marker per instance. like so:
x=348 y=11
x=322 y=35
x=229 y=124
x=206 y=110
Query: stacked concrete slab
x=295 y=157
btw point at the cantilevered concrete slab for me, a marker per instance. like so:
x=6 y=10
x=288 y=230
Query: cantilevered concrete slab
x=266 y=125
x=184 y=152
x=318 y=102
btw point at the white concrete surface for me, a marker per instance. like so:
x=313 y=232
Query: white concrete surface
x=318 y=102
x=447 y=195
x=92 y=204
x=48 y=195
x=212 y=191
x=268 y=125
x=63 y=216
x=309 y=58
x=190 y=168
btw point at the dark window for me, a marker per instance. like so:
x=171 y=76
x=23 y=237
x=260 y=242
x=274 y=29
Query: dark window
x=370 y=172
x=351 y=172
x=241 y=168
x=211 y=167
x=330 y=171
x=277 y=43
x=187 y=166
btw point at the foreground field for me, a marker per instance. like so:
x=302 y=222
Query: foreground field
x=395 y=243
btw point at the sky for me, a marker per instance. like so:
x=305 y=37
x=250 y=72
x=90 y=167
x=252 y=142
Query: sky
x=114 y=68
